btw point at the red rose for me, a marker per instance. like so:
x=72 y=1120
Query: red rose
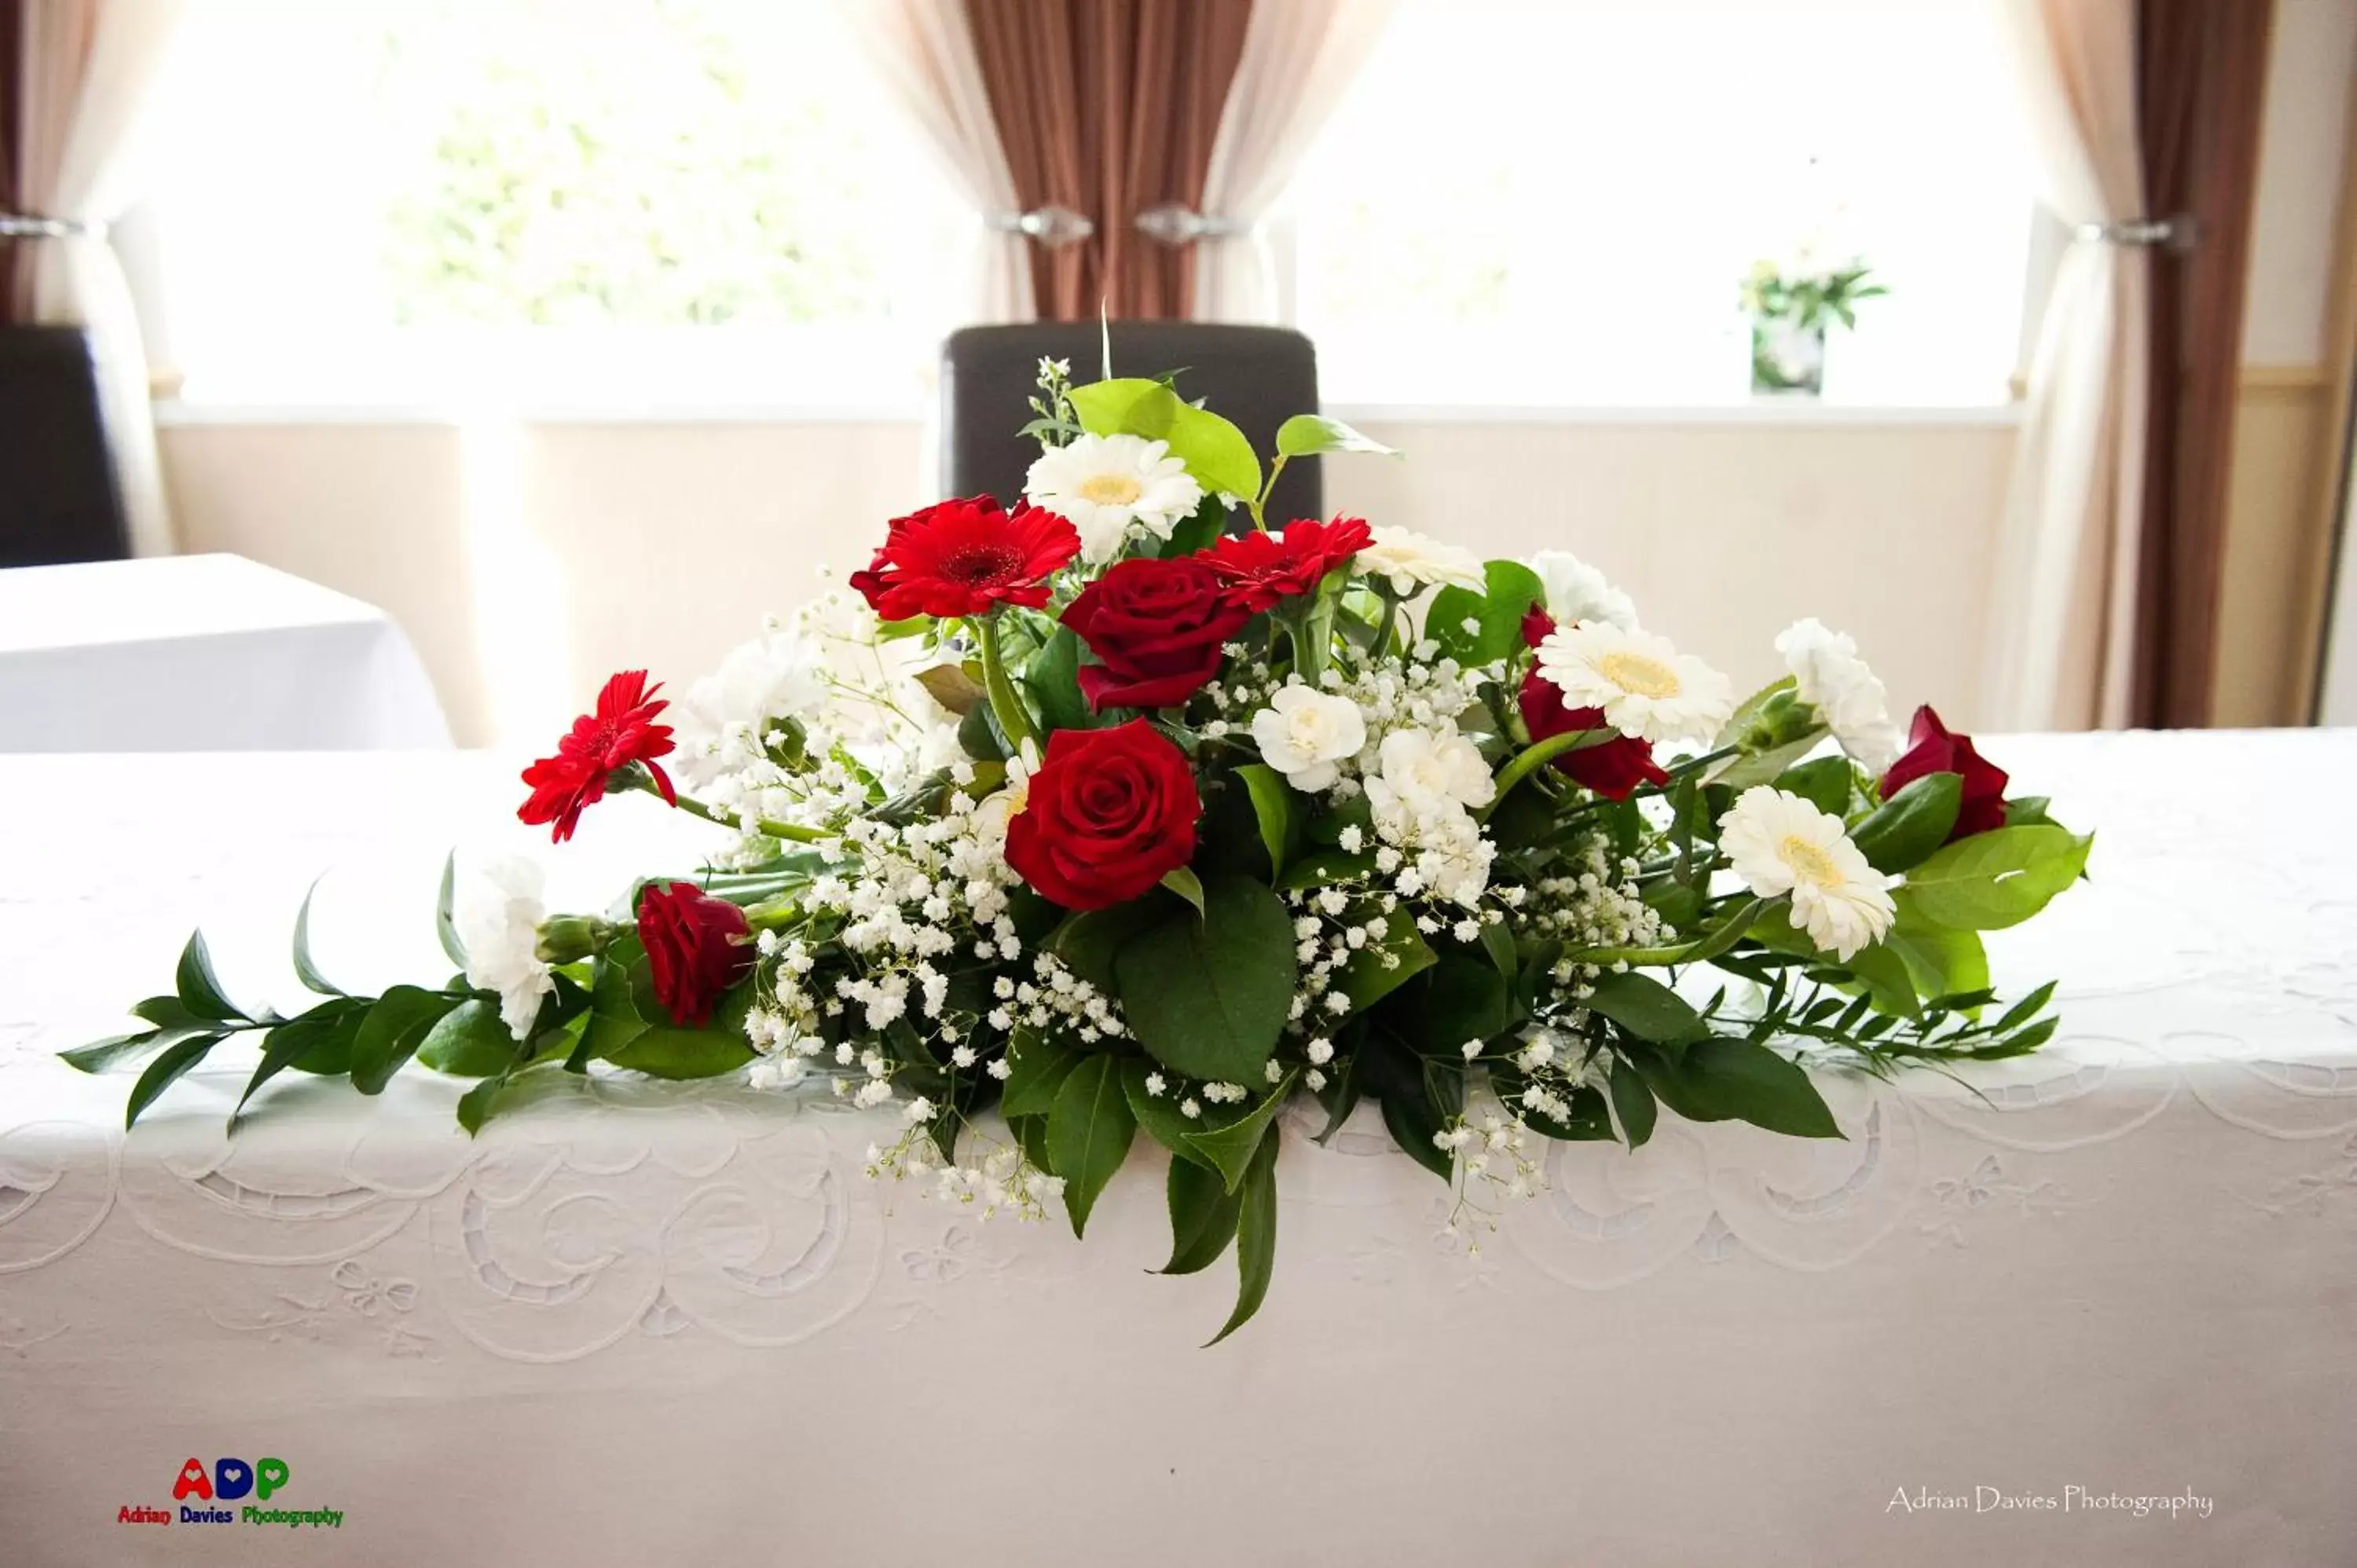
x=1158 y=625
x=697 y=947
x=1613 y=769
x=1932 y=747
x=1109 y=813
x=622 y=731
x=1259 y=569
x=965 y=557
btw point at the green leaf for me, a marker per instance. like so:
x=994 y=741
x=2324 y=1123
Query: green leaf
x=953 y=688
x=1202 y=1217
x=1312 y=434
x=1885 y=974
x=1740 y=773
x=1052 y=676
x=1088 y=1133
x=445 y=929
x=1497 y=614
x=1230 y=1148
x=1215 y=452
x=170 y=1013
x=1185 y=883
x=1272 y=804
x=1255 y=1240
x=1633 y=1103
x=1749 y=711
x=1363 y=977
x=614 y=1020
x=99 y=1056
x=1087 y=939
x=1035 y=1068
x=1198 y=532
x=2027 y=810
x=1459 y=999
x=665 y=1050
x=481 y=1103
x=164 y=1072
x=323 y=1028
x=1999 y=878
x=199 y=988
x=1206 y=995
x=395 y=1026
x=1940 y=959
x=1645 y=1007
x=468 y=1041
x=1911 y=824
x=1417 y=1096
x=1160 y=1116
x=1824 y=783
x=1722 y=1079
x=305 y=969
x=1324 y=868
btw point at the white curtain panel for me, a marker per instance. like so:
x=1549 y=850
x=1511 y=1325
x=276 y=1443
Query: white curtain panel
x=2064 y=590
x=1299 y=57
x=87 y=69
x=924 y=50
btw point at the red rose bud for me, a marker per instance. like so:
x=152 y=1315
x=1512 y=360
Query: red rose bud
x=1259 y=569
x=1613 y=769
x=966 y=558
x=696 y=949
x=1933 y=748
x=1110 y=813
x=622 y=731
x=1159 y=627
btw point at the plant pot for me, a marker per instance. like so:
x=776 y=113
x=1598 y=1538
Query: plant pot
x=1788 y=360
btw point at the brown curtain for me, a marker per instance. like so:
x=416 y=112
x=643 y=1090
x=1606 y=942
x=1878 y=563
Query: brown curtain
x=1108 y=108
x=11 y=76
x=2200 y=82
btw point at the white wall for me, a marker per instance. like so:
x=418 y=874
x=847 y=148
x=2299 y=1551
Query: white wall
x=529 y=562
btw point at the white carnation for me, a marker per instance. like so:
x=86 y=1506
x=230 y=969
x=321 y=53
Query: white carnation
x=1426 y=767
x=1304 y=733
x=719 y=725
x=1831 y=677
x=497 y=912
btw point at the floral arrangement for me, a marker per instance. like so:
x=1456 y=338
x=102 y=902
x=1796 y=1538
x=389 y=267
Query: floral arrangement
x=1094 y=822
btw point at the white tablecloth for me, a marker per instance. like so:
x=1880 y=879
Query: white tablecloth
x=202 y=653
x=649 y=1324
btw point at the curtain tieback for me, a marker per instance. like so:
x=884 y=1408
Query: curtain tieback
x=2178 y=233
x=1054 y=227
x=1174 y=223
x=24 y=226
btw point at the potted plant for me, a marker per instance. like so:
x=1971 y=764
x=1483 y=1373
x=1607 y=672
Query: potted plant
x=1791 y=312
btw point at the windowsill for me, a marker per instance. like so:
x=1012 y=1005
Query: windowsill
x=1773 y=412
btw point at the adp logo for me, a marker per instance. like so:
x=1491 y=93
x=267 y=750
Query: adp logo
x=229 y=1480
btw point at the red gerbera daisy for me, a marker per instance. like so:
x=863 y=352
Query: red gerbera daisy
x=1259 y=569
x=622 y=731
x=963 y=557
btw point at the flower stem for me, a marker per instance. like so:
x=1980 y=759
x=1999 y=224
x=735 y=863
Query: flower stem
x=1537 y=755
x=640 y=781
x=1258 y=505
x=1004 y=702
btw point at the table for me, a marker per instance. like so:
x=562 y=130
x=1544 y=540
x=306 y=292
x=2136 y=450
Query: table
x=635 y=1324
x=202 y=653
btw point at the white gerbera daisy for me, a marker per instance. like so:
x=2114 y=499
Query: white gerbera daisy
x=1645 y=686
x=1831 y=677
x=497 y=912
x=1413 y=561
x=1576 y=592
x=1107 y=485
x=1780 y=843
x=1304 y=734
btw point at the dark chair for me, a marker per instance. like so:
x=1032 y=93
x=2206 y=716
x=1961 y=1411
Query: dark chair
x=58 y=500
x=1258 y=376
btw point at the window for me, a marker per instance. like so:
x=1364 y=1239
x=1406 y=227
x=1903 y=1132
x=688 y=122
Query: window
x=1555 y=201
x=390 y=200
